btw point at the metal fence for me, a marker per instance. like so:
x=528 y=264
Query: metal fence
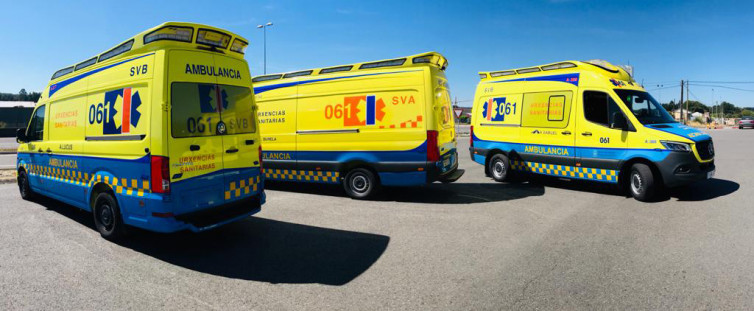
x=12 y=118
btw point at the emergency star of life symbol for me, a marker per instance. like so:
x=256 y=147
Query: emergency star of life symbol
x=491 y=111
x=209 y=97
x=363 y=110
x=123 y=111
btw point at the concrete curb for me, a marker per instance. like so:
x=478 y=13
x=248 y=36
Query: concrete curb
x=5 y=179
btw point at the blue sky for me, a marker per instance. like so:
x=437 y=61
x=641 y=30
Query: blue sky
x=665 y=41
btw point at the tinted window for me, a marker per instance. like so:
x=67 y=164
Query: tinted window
x=543 y=109
x=600 y=108
x=36 y=125
x=195 y=110
x=644 y=107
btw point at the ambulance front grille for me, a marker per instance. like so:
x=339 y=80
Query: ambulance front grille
x=706 y=149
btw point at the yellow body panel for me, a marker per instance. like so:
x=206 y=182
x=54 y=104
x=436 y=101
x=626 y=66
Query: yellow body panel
x=538 y=113
x=108 y=118
x=328 y=111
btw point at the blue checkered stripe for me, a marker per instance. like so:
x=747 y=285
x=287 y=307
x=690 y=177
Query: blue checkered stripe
x=596 y=174
x=306 y=176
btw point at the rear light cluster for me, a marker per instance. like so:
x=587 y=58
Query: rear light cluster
x=433 y=150
x=260 y=155
x=471 y=136
x=160 y=171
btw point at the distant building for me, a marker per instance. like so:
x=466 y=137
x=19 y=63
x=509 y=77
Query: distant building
x=11 y=104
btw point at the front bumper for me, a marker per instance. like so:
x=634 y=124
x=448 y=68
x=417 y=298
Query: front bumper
x=682 y=168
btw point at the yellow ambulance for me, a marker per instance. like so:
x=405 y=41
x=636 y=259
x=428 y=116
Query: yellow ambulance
x=385 y=122
x=584 y=120
x=159 y=132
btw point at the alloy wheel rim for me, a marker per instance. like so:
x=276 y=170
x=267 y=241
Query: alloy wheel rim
x=498 y=169
x=360 y=183
x=106 y=216
x=636 y=183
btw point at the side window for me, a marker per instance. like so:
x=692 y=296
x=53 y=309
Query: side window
x=547 y=109
x=555 y=105
x=36 y=125
x=600 y=108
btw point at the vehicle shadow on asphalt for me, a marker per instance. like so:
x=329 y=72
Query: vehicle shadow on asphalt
x=256 y=249
x=436 y=193
x=704 y=190
x=699 y=191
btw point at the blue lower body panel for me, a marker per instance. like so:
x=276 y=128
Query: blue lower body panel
x=71 y=179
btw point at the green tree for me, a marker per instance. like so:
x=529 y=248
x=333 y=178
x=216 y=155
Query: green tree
x=728 y=109
x=22 y=95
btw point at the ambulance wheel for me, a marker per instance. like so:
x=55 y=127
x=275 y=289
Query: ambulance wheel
x=107 y=217
x=641 y=182
x=360 y=183
x=499 y=167
x=23 y=186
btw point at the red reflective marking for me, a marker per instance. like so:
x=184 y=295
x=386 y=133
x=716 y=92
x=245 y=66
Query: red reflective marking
x=219 y=99
x=125 y=123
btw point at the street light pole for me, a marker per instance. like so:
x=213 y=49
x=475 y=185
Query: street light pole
x=264 y=31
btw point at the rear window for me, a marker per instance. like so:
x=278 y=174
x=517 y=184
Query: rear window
x=197 y=109
x=546 y=109
x=445 y=113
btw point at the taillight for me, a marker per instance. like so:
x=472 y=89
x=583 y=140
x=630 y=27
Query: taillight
x=260 y=155
x=160 y=169
x=433 y=151
x=471 y=136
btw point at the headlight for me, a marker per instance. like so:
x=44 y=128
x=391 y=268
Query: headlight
x=676 y=146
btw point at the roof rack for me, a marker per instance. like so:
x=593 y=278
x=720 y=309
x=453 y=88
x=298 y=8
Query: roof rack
x=429 y=58
x=175 y=32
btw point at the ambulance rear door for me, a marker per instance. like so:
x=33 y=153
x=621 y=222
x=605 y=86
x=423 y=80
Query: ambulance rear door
x=195 y=146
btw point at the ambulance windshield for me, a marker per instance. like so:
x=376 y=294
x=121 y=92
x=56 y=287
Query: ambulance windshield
x=644 y=107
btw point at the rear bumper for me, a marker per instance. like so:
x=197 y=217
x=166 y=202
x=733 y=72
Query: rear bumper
x=205 y=219
x=682 y=168
x=445 y=170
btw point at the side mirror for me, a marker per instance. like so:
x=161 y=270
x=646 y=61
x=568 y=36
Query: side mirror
x=21 y=135
x=619 y=121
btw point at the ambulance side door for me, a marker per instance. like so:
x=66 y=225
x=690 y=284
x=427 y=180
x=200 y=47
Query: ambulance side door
x=277 y=122
x=35 y=134
x=547 y=126
x=599 y=143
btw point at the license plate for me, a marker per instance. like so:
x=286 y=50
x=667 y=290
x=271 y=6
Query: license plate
x=710 y=174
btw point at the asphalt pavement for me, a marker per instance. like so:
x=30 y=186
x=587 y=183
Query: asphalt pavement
x=471 y=245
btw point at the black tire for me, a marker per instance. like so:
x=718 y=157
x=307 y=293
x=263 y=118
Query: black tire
x=23 y=186
x=499 y=167
x=107 y=217
x=361 y=184
x=740 y=127
x=641 y=182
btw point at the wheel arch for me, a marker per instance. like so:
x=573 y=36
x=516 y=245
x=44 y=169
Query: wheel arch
x=490 y=153
x=96 y=189
x=625 y=170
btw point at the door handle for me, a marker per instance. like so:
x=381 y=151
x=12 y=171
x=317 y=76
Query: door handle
x=587 y=133
x=233 y=150
x=566 y=132
x=249 y=141
x=194 y=147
